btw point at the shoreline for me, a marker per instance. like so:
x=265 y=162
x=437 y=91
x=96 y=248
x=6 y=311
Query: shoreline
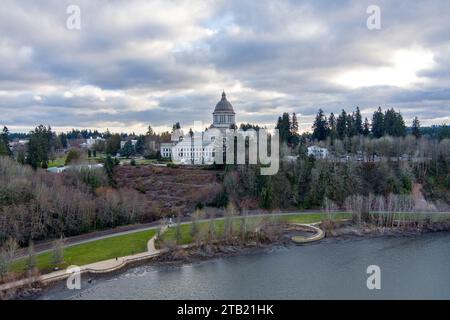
x=182 y=255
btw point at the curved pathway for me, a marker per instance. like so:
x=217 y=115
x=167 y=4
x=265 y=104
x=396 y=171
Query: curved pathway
x=96 y=268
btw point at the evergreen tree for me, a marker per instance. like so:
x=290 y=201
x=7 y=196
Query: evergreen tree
x=378 y=123
x=4 y=143
x=150 y=131
x=113 y=144
x=294 y=124
x=320 y=126
x=39 y=147
x=284 y=127
x=366 y=129
x=127 y=150
x=358 y=125
x=294 y=136
x=351 y=129
x=109 y=169
x=332 y=127
x=416 y=128
x=394 y=125
x=341 y=125
x=140 y=145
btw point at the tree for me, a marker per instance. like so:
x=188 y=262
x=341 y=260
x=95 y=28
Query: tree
x=341 y=125
x=10 y=248
x=320 y=126
x=127 y=150
x=351 y=128
x=4 y=143
x=294 y=136
x=63 y=140
x=284 y=127
x=4 y=263
x=39 y=147
x=358 y=125
x=150 y=131
x=332 y=127
x=140 y=145
x=378 y=123
x=31 y=258
x=72 y=156
x=416 y=128
x=366 y=129
x=394 y=125
x=113 y=144
x=109 y=169
x=58 y=252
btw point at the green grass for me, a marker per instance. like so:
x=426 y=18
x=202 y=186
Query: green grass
x=315 y=217
x=185 y=229
x=58 y=162
x=94 y=251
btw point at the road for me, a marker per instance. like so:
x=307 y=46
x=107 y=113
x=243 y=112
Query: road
x=104 y=234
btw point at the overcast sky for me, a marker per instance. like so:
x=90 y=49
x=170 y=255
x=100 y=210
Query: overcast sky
x=135 y=63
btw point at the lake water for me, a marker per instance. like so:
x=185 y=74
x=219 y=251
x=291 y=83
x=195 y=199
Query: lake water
x=411 y=268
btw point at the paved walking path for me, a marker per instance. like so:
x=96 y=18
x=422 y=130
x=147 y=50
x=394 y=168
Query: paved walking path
x=97 y=267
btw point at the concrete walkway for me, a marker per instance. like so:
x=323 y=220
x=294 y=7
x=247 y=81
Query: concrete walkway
x=96 y=267
x=319 y=234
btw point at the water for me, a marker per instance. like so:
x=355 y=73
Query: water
x=411 y=268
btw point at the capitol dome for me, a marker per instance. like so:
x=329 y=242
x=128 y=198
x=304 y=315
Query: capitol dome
x=223 y=115
x=224 y=105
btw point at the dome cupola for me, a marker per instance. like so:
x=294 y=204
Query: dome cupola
x=223 y=115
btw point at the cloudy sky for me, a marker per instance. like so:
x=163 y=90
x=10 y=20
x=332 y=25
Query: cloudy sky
x=135 y=63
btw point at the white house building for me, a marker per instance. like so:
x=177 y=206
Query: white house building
x=318 y=152
x=90 y=142
x=199 y=148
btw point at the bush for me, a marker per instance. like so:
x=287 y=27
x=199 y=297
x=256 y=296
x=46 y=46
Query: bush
x=72 y=156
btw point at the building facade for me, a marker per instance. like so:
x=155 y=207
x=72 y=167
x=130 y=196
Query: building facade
x=199 y=148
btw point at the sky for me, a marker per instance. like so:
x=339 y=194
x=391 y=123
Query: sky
x=136 y=63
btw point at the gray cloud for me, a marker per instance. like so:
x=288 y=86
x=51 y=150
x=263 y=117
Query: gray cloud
x=154 y=62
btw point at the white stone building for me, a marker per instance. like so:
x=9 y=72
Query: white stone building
x=90 y=142
x=200 y=147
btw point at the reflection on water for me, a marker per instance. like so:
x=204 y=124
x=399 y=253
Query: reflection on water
x=411 y=268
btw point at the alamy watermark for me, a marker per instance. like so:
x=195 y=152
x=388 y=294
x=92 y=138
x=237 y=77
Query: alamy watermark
x=74 y=280
x=374 y=20
x=227 y=146
x=374 y=280
x=73 y=21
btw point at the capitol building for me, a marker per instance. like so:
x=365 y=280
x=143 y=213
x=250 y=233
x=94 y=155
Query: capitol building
x=199 y=147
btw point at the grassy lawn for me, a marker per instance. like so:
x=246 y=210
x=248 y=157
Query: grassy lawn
x=95 y=251
x=186 y=237
x=315 y=217
x=58 y=162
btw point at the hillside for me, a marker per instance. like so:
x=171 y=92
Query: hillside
x=169 y=191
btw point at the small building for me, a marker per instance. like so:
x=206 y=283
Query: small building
x=122 y=143
x=318 y=152
x=90 y=142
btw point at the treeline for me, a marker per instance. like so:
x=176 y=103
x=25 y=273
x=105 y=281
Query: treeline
x=385 y=161
x=347 y=125
x=36 y=205
x=306 y=182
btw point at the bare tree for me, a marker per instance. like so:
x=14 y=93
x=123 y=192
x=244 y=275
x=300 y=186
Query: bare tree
x=58 y=252
x=31 y=262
